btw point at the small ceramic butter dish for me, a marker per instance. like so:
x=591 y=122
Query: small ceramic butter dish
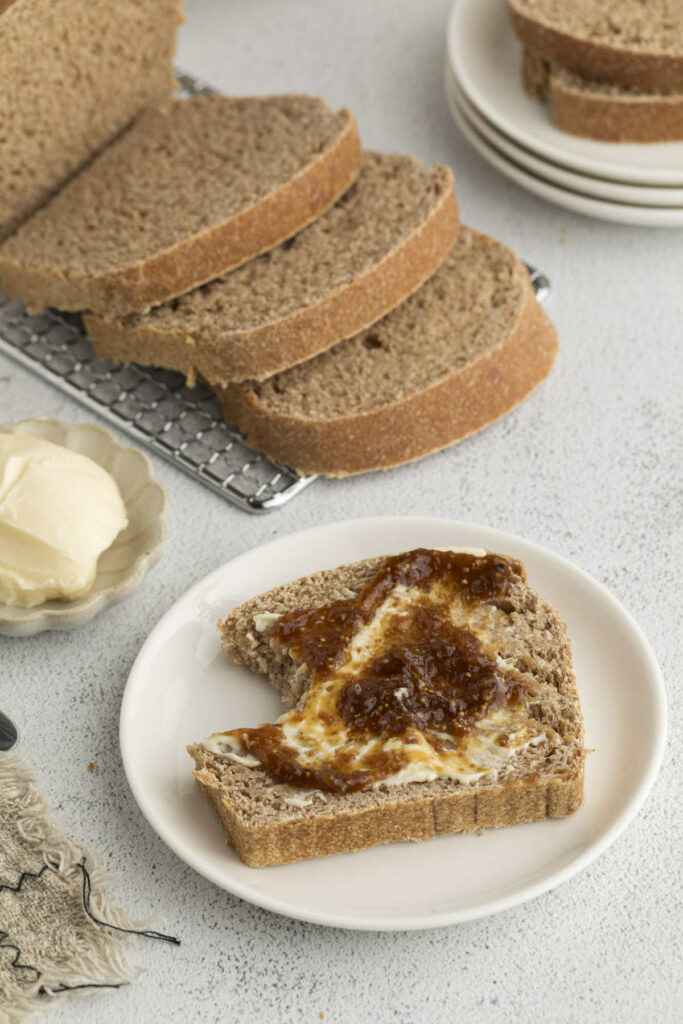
x=138 y=547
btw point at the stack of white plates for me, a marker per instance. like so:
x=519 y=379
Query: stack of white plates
x=629 y=183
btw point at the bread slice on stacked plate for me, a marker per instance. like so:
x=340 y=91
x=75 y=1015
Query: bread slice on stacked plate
x=596 y=173
x=330 y=296
x=600 y=110
x=610 y=72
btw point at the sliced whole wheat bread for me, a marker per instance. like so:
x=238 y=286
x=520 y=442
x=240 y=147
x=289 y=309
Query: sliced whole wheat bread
x=598 y=110
x=188 y=193
x=541 y=781
x=631 y=43
x=74 y=74
x=462 y=351
x=376 y=246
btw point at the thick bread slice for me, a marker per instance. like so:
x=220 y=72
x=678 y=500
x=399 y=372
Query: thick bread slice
x=543 y=781
x=74 y=74
x=598 y=110
x=631 y=43
x=186 y=194
x=381 y=241
x=464 y=350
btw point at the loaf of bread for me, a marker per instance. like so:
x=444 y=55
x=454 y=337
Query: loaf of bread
x=599 y=110
x=379 y=243
x=73 y=74
x=462 y=351
x=631 y=43
x=271 y=821
x=188 y=193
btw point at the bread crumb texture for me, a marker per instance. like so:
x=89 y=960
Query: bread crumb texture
x=386 y=235
x=176 y=173
x=391 y=199
x=465 y=349
x=634 y=24
x=74 y=74
x=470 y=302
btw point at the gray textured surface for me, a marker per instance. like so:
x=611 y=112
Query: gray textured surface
x=590 y=467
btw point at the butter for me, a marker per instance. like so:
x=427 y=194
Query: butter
x=59 y=511
x=264 y=620
x=300 y=800
x=230 y=747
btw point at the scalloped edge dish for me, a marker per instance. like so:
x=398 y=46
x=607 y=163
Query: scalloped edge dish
x=137 y=548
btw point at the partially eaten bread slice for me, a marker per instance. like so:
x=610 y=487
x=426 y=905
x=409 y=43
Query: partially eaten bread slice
x=428 y=693
x=189 y=192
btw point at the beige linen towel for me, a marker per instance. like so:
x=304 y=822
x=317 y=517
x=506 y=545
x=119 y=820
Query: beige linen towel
x=58 y=931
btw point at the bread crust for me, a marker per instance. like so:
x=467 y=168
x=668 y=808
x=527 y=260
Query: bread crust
x=417 y=425
x=616 y=119
x=629 y=68
x=259 y=353
x=194 y=261
x=622 y=116
x=406 y=818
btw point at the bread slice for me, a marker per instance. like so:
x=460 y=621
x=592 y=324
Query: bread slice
x=632 y=44
x=598 y=110
x=271 y=822
x=186 y=194
x=387 y=235
x=74 y=74
x=462 y=351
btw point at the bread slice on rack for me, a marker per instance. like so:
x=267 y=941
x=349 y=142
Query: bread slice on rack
x=376 y=246
x=632 y=44
x=598 y=110
x=462 y=351
x=74 y=74
x=188 y=193
x=528 y=755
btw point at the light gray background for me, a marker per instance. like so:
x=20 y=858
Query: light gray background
x=589 y=466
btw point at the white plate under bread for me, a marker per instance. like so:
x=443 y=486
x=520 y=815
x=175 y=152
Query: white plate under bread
x=184 y=681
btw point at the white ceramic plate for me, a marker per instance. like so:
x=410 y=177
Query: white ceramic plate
x=183 y=687
x=486 y=58
x=121 y=567
x=597 y=188
x=602 y=209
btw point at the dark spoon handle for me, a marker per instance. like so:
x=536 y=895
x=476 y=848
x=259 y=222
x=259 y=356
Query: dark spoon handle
x=8 y=733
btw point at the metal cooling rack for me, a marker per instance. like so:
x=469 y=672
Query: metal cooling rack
x=184 y=425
